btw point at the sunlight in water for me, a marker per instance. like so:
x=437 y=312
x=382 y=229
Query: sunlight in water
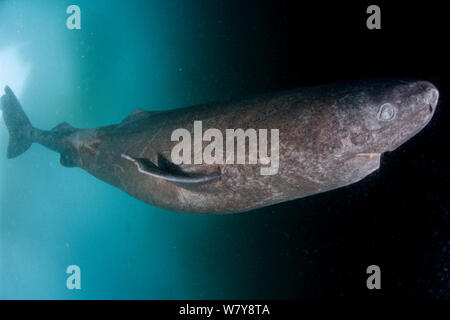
x=13 y=71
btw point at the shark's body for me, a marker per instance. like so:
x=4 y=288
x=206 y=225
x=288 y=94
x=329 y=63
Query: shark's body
x=329 y=136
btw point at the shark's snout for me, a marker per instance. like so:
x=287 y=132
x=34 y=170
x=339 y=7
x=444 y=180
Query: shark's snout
x=428 y=96
x=432 y=98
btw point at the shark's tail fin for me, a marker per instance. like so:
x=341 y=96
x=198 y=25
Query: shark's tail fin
x=19 y=127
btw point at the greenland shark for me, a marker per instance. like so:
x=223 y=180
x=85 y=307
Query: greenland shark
x=330 y=136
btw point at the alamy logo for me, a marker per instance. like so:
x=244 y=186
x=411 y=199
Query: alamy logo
x=374 y=280
x=374 y=20
x=218 y=152
x=74 y=20
x=74 y=280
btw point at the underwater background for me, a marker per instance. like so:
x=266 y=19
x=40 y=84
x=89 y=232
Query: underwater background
x=159 y=55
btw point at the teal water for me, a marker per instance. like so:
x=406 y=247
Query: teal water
x=151 y=54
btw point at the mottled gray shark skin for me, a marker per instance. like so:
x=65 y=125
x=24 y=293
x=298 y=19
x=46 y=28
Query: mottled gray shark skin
x=329 y=136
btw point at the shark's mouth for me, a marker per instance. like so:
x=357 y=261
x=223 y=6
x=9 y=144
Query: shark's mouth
x=362 y=164
x=369 y=155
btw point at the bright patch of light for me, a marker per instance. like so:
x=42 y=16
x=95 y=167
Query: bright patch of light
x=13 y=71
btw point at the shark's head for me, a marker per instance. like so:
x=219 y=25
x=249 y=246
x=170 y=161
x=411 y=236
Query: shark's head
x=393 y=112
x=376 y=116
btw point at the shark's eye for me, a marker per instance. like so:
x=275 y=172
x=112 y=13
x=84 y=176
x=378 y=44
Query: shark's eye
x=386 y=112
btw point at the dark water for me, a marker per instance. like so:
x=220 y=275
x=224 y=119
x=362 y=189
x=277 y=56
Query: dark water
x=167 y=54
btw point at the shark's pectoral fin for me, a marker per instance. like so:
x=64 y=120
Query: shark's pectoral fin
x=145 y=166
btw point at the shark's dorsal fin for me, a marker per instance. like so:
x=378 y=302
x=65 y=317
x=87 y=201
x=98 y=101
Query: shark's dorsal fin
x=145 y=166
x=136 y=114
x=63 y=127
x=139 y=113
